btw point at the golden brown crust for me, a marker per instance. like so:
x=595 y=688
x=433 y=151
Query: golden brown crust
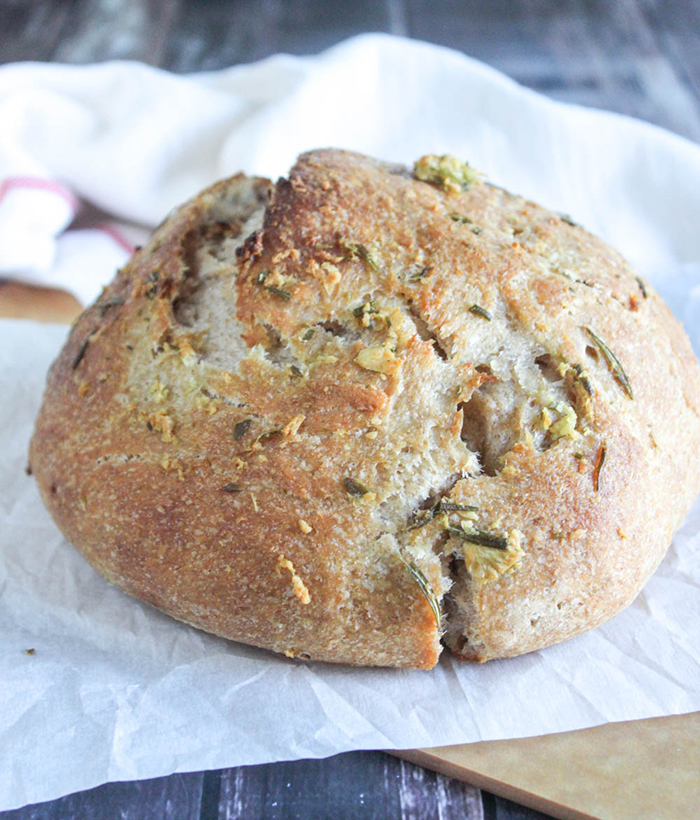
x=253 y=433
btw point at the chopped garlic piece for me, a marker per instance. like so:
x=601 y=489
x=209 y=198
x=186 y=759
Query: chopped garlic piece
x=400 y=326
x=378 y=358
x=565 y=425
x=448 y=171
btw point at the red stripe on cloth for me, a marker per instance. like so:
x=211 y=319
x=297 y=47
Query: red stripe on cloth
x=37 y=184
x=121 y=240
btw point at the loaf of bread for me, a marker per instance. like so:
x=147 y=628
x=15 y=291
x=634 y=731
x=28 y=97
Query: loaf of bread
x=366 y=411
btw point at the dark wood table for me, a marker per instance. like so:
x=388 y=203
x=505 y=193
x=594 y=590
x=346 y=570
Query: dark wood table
x=637 y=57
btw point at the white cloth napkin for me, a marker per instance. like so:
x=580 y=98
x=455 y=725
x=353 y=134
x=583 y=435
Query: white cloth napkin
x=89 y=159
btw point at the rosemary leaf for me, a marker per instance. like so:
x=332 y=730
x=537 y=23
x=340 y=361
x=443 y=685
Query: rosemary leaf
x=241 y=428
x=308 y=335
x=232 y=488
x=364 y=254
x=583 y=380
x=425 y=587
x=110 y=303
x=599 y=461
x=483 y=539
x=278 y=292
x=354 y=487
x=464 y=220
x=264 y=437
x=261 y=277
x=477 y=310
x=451 y=506
x=572 y=278
x=569 y=221
x=152 y=280
x=81 y=352
x=642 y=287
x=615 y=367
x=417 y=276
x=366 y=307
x=422 y=517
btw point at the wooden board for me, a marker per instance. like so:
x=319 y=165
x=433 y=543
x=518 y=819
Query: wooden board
x=619 y=771
x=18 y=301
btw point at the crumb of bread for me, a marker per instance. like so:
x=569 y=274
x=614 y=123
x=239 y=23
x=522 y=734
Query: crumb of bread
x=297 y=655
x=331 y=277
x=162 y=423
x=545 y=419
x=168 y=464
x=207 y=404
x=188 y=353
x=298 y=586
x=293 y=425
x=159 y=392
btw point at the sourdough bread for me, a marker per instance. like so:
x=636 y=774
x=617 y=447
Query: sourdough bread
x=366 y=411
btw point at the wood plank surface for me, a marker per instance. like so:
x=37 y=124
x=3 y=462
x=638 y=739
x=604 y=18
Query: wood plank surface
x=353 y=786
x=637 y=57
